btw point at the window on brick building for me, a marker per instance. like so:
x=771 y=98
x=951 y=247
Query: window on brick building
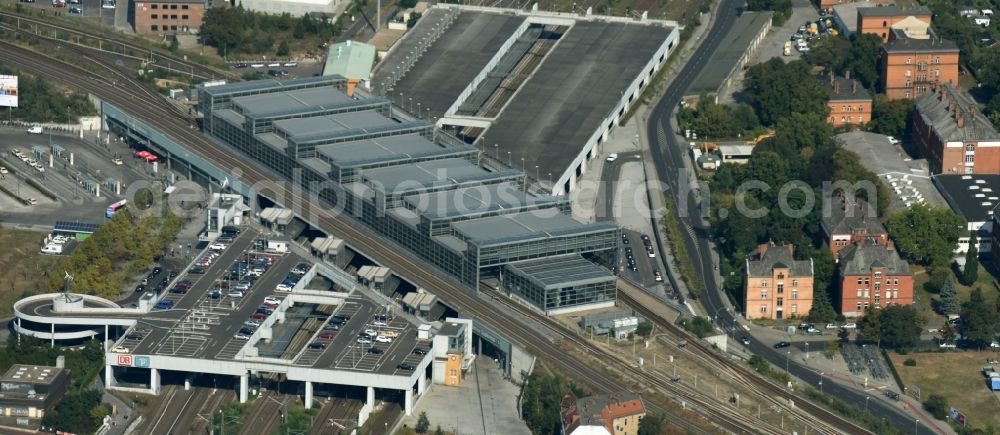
x=795 y=294
x=763 y=308
x=173 y=27
x=185 y=7
x=795 y=283
x=795 y=308
x=154 y=16
x=858 y=307
x=909 y=61
x=878 y=299
x=885 y=23
x=154 y=27
x=781 y=302
x=970 y=159
x=154 y=6
x=937 y=59
x=173 y=17
x=184 y=17
x=970 y=147
x=173 y=6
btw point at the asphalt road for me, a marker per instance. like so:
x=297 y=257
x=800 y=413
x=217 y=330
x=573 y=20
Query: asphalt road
x=668 y=153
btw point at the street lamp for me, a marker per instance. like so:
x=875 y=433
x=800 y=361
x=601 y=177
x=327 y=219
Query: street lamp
x=915 y=426
x=821 y=383
x=866 y=403
x=788 y=355
x=807 y=350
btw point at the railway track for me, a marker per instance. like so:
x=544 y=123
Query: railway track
x=160 y=57
x=765 y=387
x=131 y=97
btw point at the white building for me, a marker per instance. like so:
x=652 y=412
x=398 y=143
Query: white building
x=295 y=8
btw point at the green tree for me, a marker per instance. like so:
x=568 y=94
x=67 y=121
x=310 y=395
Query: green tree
x=283 y=49
x=406 y=4
x=540 y=402
x=439 y=431
x=423 y=423
x=644 y=329
x=652 y=423
x=697 y=325
x=970 y=274
x=926 y=234
x=782 y=9
x=899 y=326
x=949 y=297
x=937 y=405
x=871 y=326
x=778 y=89
x=979 y=320
x=863 y=58
x=832 y=347
x=890 y=117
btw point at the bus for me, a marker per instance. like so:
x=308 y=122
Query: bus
x=113 y=208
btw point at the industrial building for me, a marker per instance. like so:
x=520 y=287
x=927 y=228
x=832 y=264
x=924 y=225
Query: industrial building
x=732 y=57
x=168 y=17
x=295 y=8
x=974 y=198
x=881 y=20
x=28 y=391
x=419 y=187
x=508 y=81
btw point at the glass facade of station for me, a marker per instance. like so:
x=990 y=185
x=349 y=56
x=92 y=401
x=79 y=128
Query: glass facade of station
x=469 y=257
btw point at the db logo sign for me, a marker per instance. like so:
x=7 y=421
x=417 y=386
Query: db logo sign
x=125 y=360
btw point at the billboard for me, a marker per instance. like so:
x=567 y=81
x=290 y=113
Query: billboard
x=8 y=91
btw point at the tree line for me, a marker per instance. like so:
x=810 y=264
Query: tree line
x=123 y=246
x=239 y=31
x=39 y=101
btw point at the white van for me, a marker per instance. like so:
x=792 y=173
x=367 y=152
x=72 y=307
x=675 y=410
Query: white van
x=35 y=130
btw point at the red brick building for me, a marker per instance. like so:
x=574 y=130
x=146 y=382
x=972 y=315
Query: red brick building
x=851 y=221
x=912 y=64
x=873 y=275
x=850 y=103
x=879 y=20
x=953 y=135
x=168 y=17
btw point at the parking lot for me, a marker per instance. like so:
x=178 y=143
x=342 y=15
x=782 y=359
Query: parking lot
x=773 y=46
x=89 y=10
x=199 y=316
x=75 y=185
x=642 y=269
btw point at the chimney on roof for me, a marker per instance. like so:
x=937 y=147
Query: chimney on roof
x=836 y=86
x=960 y=120
x=854 y=86
x=972 y=111
x=847 y=75
x=952 y=106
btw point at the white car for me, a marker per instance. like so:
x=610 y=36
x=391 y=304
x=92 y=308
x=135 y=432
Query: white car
x=383 y=339
x=850 y=326
x=118 y=162
x=893 y=140
x=241 y=337
x=272 y=299
x=363 y=340
x=832 y=326
x=283 y=288
x=612 y=157
x=380 y=322
x=3 y=170
x=236 y=294
x=252 y=323
x=120 y=349
x=371 y=332
x=35 y=130
x=217 y=246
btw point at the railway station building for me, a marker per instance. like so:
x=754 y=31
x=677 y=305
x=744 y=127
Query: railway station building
x=418 y=186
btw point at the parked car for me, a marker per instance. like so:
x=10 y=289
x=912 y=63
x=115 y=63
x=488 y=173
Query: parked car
x=850 y=326
x=252 y=322
x=781 y=344
x=283 y=287
x=325 y=336
x=383 y=339
x=419 y=351
x=375 y=350
x=197 y=271
x=317 y=345
x=612 y=157
x=164 y=305
x=241 y=337
x=236 y=293
x=273 y=299
x=813 y=331
x=246 y=330
x=120 y=349
x=405 y=366
x=364 y=340
x=745 y=340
